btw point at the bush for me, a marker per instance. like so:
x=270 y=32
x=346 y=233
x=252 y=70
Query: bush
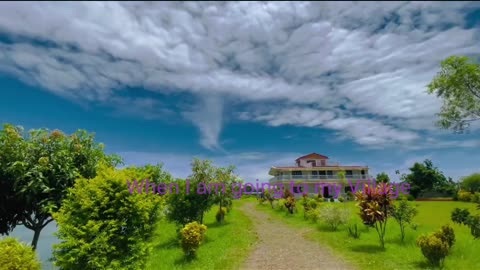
x=332 y=199
x=474 y=223
x=334 y=216
x=320 y=197
x=464 y=196
x=341 y=199
x=353 y=231
x=350 y=196
x=433 y=248
x=475 y=198
x=447 y=235
x=192 y=236
x=312 y=214
x=102 y=225
x=410 y=197
x=312 y=203
x=460 y=216
x=220 y=216
x=281 y=205
x=17 y=256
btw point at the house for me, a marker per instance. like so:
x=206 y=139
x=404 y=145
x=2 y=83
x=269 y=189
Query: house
x=316 y=173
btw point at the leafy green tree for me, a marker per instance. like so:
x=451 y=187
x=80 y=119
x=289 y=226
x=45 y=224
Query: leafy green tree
x=223 y=194
x=37 y=168
x=471 y=183
x=403 y=212
x=200 y=195
x=383 y=178
x=458 y=84
x=105 y=225
x=425 y=177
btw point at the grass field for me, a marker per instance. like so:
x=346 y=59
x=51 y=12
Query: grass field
x=225 y=246
x=365 y=252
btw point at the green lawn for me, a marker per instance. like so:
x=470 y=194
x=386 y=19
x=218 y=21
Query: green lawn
x=365 y=252
x=225 y=246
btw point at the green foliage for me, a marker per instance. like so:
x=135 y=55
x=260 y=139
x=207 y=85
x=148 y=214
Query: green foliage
x=289 y=201
x=464 y=196
x=375 y=205
x=458 y=84
x=334 y=216
x=403 y=212
x=383 y=178
x=433 y=248
x=17 y=256
x=312 y=214
x=350 y=196
x=37 y=168
x=192 y=236
x=471 y=183
x=205 y=189
x=340 y=199
x=353 y=231
x=332 y=199
x=220 y=216
x=475 y=197
x=474 y=223
x=425 y=177
x=460 y=216
x=104 y=226
x=447 y=235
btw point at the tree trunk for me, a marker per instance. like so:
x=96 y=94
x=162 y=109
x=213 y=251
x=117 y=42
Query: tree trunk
x=36 y=235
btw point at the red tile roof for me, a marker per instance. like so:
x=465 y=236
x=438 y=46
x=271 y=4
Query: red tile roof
x=312 y=155
x=310 y=168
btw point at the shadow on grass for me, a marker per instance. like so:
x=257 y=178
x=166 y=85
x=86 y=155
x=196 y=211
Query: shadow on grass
x=425 y=265
x=172 y=243
x=367 y=249
x=184 y=260
x=215 y=224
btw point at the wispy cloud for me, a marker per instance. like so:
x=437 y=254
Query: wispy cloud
x=328 y=65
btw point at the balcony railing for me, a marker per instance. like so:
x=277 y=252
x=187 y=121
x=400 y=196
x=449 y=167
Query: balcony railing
x=317 y=177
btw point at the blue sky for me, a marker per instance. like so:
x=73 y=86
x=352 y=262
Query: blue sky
x=249 y=84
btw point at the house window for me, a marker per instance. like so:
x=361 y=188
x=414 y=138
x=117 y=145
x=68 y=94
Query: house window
x=322 y=162
x=348 y=172
x=298 y=189
x=296 y=172
x=330 y=173
x=314 y=172
x=313 y=162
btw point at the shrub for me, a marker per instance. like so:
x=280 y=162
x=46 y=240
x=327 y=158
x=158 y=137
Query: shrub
x=414 y=226
x=350 y=196
x=102 y=225
x=332 y=199
x=447 y=235
x=375 y=205
x=312 y=214
x=353 y=231
x=220 y=216
x=403 y=212
x=335 y=216
x=313 y=203
x=320 y=197
x=475 y=198
x=341 y=199
x=460 y=216
x=410 y=197
x=433 y=248
x=464 y=196
x=289 y=201
x=192 y=236
x=281 y=205
x=17 y=256
x=474 y=223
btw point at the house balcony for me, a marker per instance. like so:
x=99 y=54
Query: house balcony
x=316 y=177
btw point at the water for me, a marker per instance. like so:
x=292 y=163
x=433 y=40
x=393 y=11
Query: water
x=45 y=242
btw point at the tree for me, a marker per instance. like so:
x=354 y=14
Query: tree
x=403 y=213
x=223 y=195
x=425 y=177
x=37 y=168
x=383 y=178
x=375 y=206
x=190 y=205
x=102 y=225
x=471 y=183
x=458 y=84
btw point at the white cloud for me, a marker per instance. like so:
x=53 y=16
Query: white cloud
x=309 y=58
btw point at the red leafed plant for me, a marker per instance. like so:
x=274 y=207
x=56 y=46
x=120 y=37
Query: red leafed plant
x=375 y=205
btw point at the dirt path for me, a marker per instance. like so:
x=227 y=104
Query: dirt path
x=282 y=247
